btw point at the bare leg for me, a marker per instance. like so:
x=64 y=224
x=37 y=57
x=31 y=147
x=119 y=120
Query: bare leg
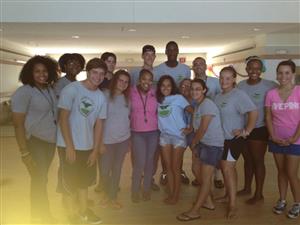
x=292 y=168
x=167 y=158
x=282 y=176
x=248 y=171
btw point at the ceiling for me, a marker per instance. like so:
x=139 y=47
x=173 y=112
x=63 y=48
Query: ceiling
x=56 y=38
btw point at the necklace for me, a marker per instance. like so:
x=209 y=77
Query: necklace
x=144 y=105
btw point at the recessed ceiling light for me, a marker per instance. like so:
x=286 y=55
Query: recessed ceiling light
x=185 y=37
x=131 y=30
x=75 y=37
x=20 y=61
x=256 y=29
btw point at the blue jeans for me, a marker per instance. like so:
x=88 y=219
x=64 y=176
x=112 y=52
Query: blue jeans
x=42 y=154
x=111 y=166
x=144 y=146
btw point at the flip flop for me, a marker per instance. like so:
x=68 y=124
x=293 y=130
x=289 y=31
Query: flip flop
x=185 y=218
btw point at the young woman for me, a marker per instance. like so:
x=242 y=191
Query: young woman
x=283 y=122
x=116 y=134
x=235 y=107
x=34 y=118
x=207 y=143
x=172 y=126
x=254 y=153
x=144 y=134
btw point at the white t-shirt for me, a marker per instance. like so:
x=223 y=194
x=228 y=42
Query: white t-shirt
x=180 y=72
x=85 y=107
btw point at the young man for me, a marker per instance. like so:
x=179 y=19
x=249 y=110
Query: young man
x=110 y=60
x=82 y=107
x=172 y=67
x=213 y=85
x=179 y=72
x=148 y=56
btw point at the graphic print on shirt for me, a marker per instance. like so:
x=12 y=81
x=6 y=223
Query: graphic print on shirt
x=86 y=106
x=255 y=96
x=164 y=110
x=223 y=104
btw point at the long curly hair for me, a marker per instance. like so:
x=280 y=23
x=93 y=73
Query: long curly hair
x=174 y=90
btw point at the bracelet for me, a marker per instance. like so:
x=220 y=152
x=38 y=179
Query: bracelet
x=24 y=154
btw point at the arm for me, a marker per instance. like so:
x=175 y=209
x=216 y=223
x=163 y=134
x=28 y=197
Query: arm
x=250 y=125
x=189 y=127
x=19 y=121
x=270 y=126
x=98 y=129
x=296 y=135
x=63 y=121
x=205 y=120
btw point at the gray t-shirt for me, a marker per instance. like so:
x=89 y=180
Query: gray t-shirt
x=213 y=86
x=117 y=123
x=135 y=73
x=257 y=93
x=233 y=107
x=39 y=105
x=180 y=72
x=214 y=134
x=60 y=84
x=85 y=107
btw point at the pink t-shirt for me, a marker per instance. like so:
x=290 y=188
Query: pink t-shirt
x=285 y=115
x=143 y=116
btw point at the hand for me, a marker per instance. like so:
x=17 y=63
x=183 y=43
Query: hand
x=240 y=133
x=280 y=142
x=70 y=155
x=30 y=164
x=92 y=158
x=102 y=149
x=291 y=140
x=186 y=130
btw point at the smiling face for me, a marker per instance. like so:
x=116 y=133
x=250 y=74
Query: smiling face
x=254 y=69
x=185 y=88
x=72 y=67
x=199 y=67
x=40 y=74
x=197 y=91
x=145 y=82
x=285 y=75
x=227 y=80
x=148 y=58
x=95 y=76
x=122 y=83
x=166 y=87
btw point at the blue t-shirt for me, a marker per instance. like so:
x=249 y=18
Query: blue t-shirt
x=171 y=115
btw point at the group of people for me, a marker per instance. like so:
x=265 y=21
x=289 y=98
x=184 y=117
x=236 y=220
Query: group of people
x=153 y=111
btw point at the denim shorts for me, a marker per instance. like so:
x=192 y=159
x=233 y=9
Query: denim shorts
x=288 y=150
x=168 y=139
x=210 y=155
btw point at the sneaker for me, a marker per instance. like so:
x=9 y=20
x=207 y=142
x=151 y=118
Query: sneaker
x=163 y=179
x=184 y=178
x=294 y=212
x=279 y=207
x=154 y=186
x=90 y=217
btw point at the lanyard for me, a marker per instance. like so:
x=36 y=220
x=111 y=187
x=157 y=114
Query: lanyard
x=144 y=105
x=50 y=101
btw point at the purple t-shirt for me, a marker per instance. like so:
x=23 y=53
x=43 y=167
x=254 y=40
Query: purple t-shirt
x=285 y=115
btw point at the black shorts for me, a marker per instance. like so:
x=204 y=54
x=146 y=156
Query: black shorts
x=233 y=149
x=259 y=134
x=77 y=175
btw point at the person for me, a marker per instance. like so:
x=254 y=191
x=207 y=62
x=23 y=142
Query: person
x=207 y=144
x=234 y=105
x=199 y=67
x=116 y=136
x=172 y=67
x=34 y=119
x=256 y=147
x=82 y=109
x=144 y=134
x=172 y=128
x=148 y=56
x=178 y=72
x=283 y=122
x=72 y=65
x=110 y=60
